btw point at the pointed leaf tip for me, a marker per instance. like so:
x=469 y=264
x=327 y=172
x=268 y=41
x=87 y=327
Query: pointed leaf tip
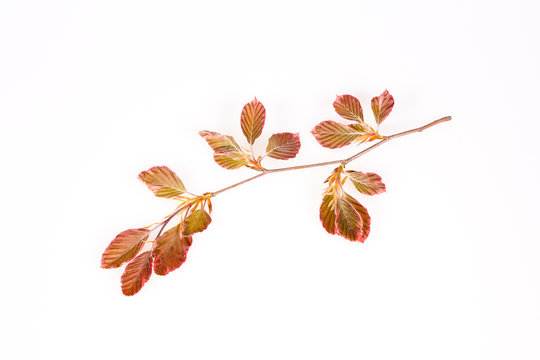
x=348 y=107
x=124 y=247
x=136 y=274
x=283 y=146
x=252 y=120
x=220 y=143
x=382 y=105
x=366 y=183
x=162 y=181
x=334 y=135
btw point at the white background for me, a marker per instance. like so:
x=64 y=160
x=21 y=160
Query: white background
x=93 y=92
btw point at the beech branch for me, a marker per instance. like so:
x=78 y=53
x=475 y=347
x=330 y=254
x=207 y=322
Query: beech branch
x=343 y=161
x=340 y=213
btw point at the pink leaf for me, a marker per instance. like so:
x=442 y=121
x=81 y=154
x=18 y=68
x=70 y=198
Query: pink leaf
x=366 y=183
x=136 y=274
x=124 y=247
x=283 y=146
x=343 y=215
x=220 y=143
x=348 y=107
x=252 y=120
x=334 y=135
x=382 y=106
x=170 y=250
x=162 y=181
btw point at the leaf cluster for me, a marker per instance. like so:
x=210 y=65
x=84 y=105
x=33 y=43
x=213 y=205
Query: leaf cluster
x=332 y=134
x=230 y=155
x=168 y=249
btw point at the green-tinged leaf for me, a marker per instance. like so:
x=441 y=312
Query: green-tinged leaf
x=170 y=250
x=382 y=106
x=124 y=247
x=162 y=181
x=231 y=160
x=367 y=133
x=343 y=215
x=348 y=221
x=220 y=143
x=366 y=183
x=137 y=273
x=327 y=213
x=364 y=215
x=196 y=221
x=334 y=135
x=283 y=146
x=348 y=107
x=252 y=120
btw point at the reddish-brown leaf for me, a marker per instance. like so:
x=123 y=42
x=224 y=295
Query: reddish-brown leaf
x=382 y=106
x=364 y=215
x=137 y=273
x=327 y=213
x=348 y=221
x=230 y=160
x=220 y=143
x=334 y=135
x=283 y=146
x=162 y=181
x=124 y=247
x=252 y=120
x=348 y=107
x=170 y=250
x=196 y=221
x=366 y=183
x=343 y=215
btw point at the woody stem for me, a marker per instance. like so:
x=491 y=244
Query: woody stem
x=342 y=161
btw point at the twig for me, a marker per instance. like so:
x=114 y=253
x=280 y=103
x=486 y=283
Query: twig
x=263 y=171
x=169 y=218
x=344 y=161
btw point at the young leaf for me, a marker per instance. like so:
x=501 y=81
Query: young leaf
x=348 y=107
x=137 y=273
x=327 y=213
x=349 y=222
x=367 y=137
x=334 y=135
x=162 y=181
x=230 y=160
x=366 y=183
x=170 y=250
x=283 y=146
x=124 y=247
x=220 y=143
x=195 y=222
x=364 y=215
x=343 y=215
x=252 y=120
x=381 y=106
